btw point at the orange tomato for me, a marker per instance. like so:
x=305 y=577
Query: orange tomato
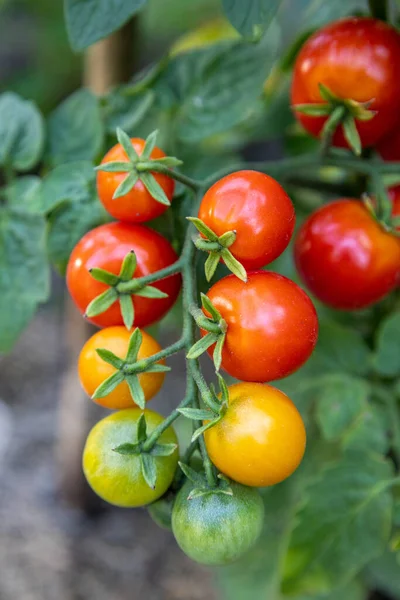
x=93 y=370
x=261 y=438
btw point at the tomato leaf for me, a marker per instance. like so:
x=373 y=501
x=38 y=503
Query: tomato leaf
x=252 y=17
x=21 y=132
x=386 y=360
x=126 y=112
x=24 y=271
x=91 y=20
x=75 y=129
x=25 y=193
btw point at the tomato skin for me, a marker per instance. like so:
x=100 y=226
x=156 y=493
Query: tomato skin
x=216 y=529
x=389 y=146
x=272 y=325
x=344 y=256
x=117 y=478
x=106 y=247
x=261 y=438
x=257 y=208
x=137 y=205
x=356 y=58
x=93 y=370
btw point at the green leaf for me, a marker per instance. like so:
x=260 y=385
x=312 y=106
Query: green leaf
x=319 y=12
x=101 y=303
x=127 y=310
x=128 y=449
x=21 y=132
x=128 y=266
x=369 y=431
x=211 y=264
x=250 y=17
x=387 y=354
x=343 y=524
x=203 y=229
x=109 y=385
x=351 y=134
x=340 y=401
x=136 y=391
x=383 y=573
x=75 y=129
x=149 y=291
x=91 y=20
x=197 y=414
x=73 y=182
x=126 y=185
x=201 y=345
x=25 y=193
x=110 y=358
x=126 y=112
x=163 y=449
x=24 y=271
x=149 y=472
x=154 y=188
x=135 y=341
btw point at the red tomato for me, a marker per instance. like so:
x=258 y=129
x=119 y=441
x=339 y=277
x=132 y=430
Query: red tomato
x=389 y=147
x=345 y=257
x=257 y=208
x=358 y=59
x=137 y=205
x=272 y=325
x=394 y=195
x=105 y=247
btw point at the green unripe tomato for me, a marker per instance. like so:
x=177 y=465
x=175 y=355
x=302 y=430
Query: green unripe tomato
x=216 y=529
x=117 y=478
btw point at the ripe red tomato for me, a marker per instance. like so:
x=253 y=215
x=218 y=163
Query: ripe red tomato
x=389 y=147
x=261 y=438
x=137 y=205
x=394 y=195
x=358 y=59
x=345 y=257
x=257 y=208
x=93 y=370
x=105 y=247
x=272 y=325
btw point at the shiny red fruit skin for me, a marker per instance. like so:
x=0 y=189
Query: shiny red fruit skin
x=257 y=208
x=358 y=59
x=105 y=247
x=272 y=325
x=344 y=256
x=137 y=206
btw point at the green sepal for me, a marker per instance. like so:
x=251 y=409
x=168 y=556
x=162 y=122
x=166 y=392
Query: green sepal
x=136 y=390
x=163 y=449
x=108 y=385
x=157 y=368
x=210 y=308
x=128 y=449
x=148 y=467
x=149 y=145
x=115 y=166
x=197 y=414
x=141 y=429
x=126 y=143
x=128 y=267
x=234 y=265
x=126 y=185
x=154 y=188
x=217 y=354
x=168 y=161
x=203 y=229
x=110 y=358
x=198 y=432
x=351 y=134
x=211 y=265
x=194 y=476
x=149 y=291
x=202 y=345
x=104 y=276
x=135 y=341
x=127 y=310
x=336 y=117
x=101 y=303
x=313 y=110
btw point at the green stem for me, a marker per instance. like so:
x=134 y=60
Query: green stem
x=194 y=184
x=140 y=282
x=142 y=365
x=378 y=9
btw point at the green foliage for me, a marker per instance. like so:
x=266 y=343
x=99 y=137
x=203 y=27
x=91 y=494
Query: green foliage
x=91 y=20
x=21 y=133
x=75 y=129
x=387 y=356
x=251 y=17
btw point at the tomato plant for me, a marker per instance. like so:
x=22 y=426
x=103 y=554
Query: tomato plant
x=203 y=162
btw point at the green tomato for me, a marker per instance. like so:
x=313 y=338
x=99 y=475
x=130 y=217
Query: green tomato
x=216 y=529
x=117 y=478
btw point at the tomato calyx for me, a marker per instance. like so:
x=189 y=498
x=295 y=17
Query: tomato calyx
x=217 y=248
x=381 y=211
x=200 y=485
x=215 y=411
x=121 y=287
x=216 y=327
x=147 y=454
x=339 y=111
x=128 y=369
x=140 y=167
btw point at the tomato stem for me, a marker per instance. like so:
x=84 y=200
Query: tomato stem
x=194 y=184
x=378 y=9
